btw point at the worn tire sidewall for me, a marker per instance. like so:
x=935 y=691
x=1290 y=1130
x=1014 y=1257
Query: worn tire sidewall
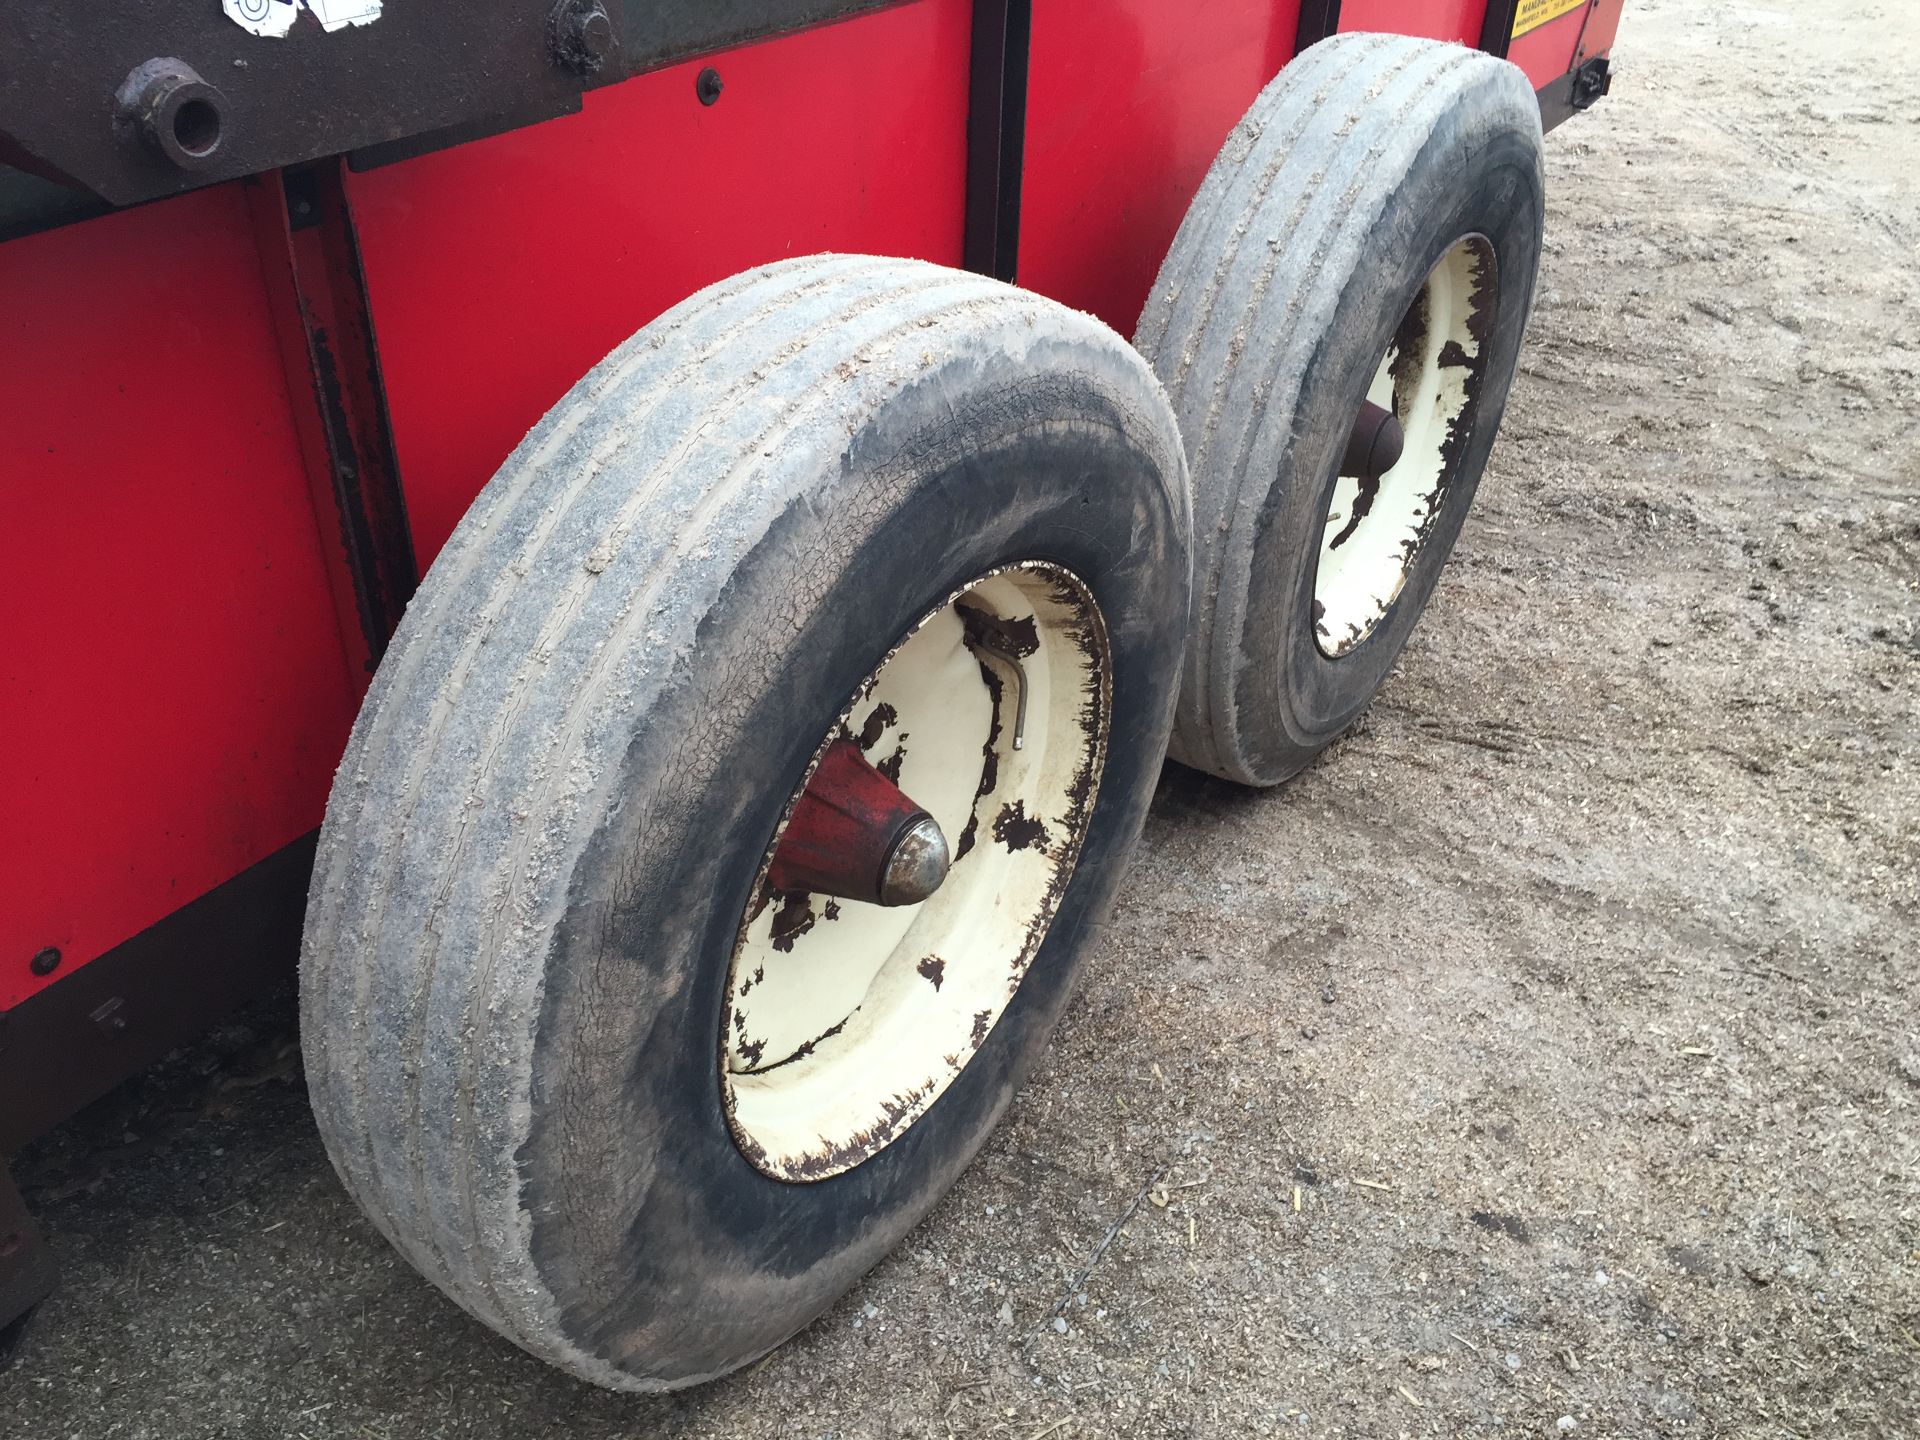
x=652 y=1232
x=1452 y=190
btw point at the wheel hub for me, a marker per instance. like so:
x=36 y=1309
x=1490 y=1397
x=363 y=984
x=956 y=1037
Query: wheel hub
x=855 y=835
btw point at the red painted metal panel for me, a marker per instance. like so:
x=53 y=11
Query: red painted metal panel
x=1129 y=102
x=1437 y=19
x=502 y=270
x=176 y=688
x=1602 y=26
x=174 y=694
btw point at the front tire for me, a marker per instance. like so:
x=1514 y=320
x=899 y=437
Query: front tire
x=556 y=810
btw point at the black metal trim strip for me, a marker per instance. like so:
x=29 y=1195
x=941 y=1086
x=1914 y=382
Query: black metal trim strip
x=996 y=136
x=72 y=1042
x=343 y=360
x=1496 y=31
x=85 y=105
x=1318 y=20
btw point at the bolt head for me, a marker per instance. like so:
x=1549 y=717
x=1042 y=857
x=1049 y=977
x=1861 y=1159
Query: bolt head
x=580 y=36
x=596 y=33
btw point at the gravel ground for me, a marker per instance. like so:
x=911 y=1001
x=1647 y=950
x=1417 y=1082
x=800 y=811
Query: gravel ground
x=1543 y=1061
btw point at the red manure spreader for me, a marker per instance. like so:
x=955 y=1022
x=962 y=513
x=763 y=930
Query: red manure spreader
x=660 y=548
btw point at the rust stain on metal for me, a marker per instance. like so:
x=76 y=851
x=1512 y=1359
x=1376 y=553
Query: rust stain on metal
x=798 y=1055
x=882 y=719
x=990 y=760
x=794 y=919
x=1483 y=312
x=1087 y=634
x=1017 y=830
x=1090 y=639
x=1369 y=491
x=1408 y=359
x=933 y=969
x=1018 y=638
x=861 y=1144
x=762 y=897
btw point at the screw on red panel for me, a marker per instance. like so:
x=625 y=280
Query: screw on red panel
x=708 y=85
x=45 y=962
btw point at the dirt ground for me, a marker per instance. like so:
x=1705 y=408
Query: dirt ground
x=1546 y=1060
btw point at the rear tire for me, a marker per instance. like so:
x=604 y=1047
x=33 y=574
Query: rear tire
x=1335 y=207
x=559 y=797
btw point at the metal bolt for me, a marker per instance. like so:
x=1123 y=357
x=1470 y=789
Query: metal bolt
x=580 y=36
x=164 y=105
x=45 y=962
x=708 y=85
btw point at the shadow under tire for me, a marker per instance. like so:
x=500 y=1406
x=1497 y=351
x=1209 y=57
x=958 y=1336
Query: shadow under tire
x=558 y=799
x=1376 y=182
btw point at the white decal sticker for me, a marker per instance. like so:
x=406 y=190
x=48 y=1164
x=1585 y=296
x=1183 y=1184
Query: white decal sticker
x=274 y=18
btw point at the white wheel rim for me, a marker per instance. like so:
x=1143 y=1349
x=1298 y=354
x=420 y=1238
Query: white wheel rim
x=1430 y=379
x=846 y=1021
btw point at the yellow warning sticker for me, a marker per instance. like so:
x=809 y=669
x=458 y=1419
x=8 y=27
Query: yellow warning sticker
x=1532 y=14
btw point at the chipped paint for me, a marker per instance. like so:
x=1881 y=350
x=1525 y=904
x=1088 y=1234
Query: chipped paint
x=838 y=1036
x=794 y=919
x=878 y=722
x=1430 y=377
x=1017 y=830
